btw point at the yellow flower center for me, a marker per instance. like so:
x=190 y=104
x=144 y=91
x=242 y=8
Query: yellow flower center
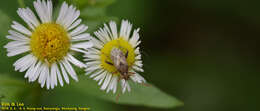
x=124 y=46
x=50 y=42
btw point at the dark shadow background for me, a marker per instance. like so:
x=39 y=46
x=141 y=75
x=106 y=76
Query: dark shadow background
x=204 y=52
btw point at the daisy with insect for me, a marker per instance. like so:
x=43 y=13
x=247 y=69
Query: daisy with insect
x=115 y=57
x=48 y=45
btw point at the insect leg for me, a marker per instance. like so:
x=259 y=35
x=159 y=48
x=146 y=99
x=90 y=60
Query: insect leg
x=120 y=92
x=118 y=95
x=126 y=54
x=146 y=84
x=120 y=78
x=131 y=73
x=109 y=63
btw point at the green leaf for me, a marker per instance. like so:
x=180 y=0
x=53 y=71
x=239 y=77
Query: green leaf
x=6 y=62
x=140 y=95
x=94 y=24
x=94 y=13
x=72 y=97
x=11 y=88
x=9 y=7
x=96 y=3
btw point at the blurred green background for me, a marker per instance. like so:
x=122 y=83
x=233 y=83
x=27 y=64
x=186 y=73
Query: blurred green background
x=203 y=52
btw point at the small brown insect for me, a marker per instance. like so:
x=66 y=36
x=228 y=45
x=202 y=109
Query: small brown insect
x=119 y=61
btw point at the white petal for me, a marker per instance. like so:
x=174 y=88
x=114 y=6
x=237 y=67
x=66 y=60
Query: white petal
x=97 y=43
x=49 y=10
x=48 y=81
x=62 y=13
x=128 y=87
x=43 y=73
x=128 y=31
x=138 y=63
x=20 y=61
x=81 y=37
x=91 y=69
x=17 y=34
x=36 y=72
x=93 y=63
x=76 y=62
x=17 y=51
x=113 y=29
x=137 y=51
x=125 y=29
x=101 y=36
x=68 y=16
x=73 y=17
x=17 y=38
x=29 y=71
x=135 y=37
x=59 y=75
x=23 y=14
x=102 y=78
x=111 y=85
x=21 y=28
x=123 y=85
x=75 y=24
x=15 y=44
x=83 y=45
x=140 y=78
x=29 y=17
x=32 y=17
x=92 y=56
x=44 y=76
x=78 y=30
x=30 y=61
x=106 y=82
x=40 y=11
x=53 y=76
x=44 y=10
x=44 y=80
x=115 y=84
x=138 y=68
x=96 y=73
x=64 y=73
x=69 y=69
x=93 y=51
x=138 y=57
x=106 y=33
x=78 y=50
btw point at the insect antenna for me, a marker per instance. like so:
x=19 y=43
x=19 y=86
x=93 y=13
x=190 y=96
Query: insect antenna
x=126 y=55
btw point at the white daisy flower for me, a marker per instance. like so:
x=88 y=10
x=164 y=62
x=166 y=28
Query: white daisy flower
x=115 y=57
x=48 y=45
